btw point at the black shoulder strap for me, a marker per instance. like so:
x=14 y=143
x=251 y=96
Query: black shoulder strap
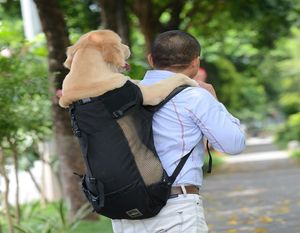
x=210 y=159
x=170 y=96
x=172 y=178
x=183 y=160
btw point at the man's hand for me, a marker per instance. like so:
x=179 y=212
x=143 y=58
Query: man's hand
x=200 y=78
x=208 y=87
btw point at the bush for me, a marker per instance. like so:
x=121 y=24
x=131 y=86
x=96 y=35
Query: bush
x=296 y=154
x=53 y=219
x=289 y=131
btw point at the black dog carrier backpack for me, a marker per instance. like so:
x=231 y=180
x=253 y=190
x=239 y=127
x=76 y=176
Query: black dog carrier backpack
x=124 y=177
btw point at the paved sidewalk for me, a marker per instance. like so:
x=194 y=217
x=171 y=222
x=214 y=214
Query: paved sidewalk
x=256 y=192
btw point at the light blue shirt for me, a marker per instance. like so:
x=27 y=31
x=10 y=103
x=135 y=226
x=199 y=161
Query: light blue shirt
x=184 y=121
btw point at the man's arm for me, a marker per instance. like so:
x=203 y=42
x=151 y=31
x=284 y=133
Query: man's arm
x=220 y=128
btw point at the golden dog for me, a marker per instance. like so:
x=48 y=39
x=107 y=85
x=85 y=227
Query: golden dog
x=96 y=61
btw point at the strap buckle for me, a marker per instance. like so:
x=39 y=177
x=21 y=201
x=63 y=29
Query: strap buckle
x=117 y=114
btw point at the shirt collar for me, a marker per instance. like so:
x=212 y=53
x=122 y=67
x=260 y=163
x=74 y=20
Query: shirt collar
x=157 y=75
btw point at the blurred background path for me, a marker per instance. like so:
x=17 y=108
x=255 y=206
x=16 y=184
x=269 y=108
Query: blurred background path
x=257 y=191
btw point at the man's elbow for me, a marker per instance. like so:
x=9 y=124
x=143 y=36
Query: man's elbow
x=238 y=145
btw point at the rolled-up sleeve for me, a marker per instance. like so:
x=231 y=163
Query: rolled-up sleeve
x=222 y=130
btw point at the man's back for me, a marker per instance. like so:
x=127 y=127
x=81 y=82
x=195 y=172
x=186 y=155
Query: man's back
x=181 y=124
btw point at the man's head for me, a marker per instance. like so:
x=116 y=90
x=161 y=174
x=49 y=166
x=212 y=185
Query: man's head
x=176 y=51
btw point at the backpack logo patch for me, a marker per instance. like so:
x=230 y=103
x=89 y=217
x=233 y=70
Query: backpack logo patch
x=134 y=213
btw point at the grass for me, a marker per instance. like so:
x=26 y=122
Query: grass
x=53 y=219
x=101 y=226
x=296 y=154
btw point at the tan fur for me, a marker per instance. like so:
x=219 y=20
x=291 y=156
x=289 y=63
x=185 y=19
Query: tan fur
x=95 y=62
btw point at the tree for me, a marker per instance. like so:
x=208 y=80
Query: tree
x=115 y=17
x=288 y=63
x=235 y=36
x=55 y=29
x=290 y=72
x=19 y=124
x=3 y=173
x=157 y=16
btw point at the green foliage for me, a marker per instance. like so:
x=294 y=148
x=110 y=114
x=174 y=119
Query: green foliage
x=230 y=83
x=288 y=51
x=244 y=96
x=10 y=9
x=290 y=102
x=82 y=16
x=24 y=101
x=103 y=226
x=296 y=154
x=137 y=70
x=290 y=72
x=53 y=219
x=137 y=59
x=290 y=130
x=269 y=76
x=270 y=15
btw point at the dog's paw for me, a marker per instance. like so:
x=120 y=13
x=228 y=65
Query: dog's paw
x=59 y=93
x=186 y=80
x=192 y=83
x=60 y=100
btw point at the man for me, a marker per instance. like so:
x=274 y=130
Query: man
x=178 y=127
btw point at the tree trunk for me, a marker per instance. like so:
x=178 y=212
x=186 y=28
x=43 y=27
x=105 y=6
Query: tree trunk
x=176 y=8
x=149 y=12
x=15 y=153
x=148 y=19
x=16 y=167
x=5 y=193
x=114 y=16
x=42 y=190
x=67 y=147
x=37 y=186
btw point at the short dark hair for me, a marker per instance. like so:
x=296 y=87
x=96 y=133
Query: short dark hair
x=174 y=48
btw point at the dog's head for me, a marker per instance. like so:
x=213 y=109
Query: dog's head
x=107 y=42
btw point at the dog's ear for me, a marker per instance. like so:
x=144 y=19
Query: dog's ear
x=68 y=61
x=109 y=44
x=72 y=49
x=112 y=53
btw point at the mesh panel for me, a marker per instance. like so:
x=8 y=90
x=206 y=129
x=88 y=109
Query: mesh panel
x=148 y=164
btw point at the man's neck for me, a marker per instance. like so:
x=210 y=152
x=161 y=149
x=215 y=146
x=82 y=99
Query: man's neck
x=186 y=72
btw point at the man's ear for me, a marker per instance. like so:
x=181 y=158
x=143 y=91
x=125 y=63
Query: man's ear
x=196 y=62
x=150 y=60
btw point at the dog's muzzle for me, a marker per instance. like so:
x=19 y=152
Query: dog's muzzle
x=126 y=67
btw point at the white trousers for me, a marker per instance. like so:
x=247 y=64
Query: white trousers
x=183 y=214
